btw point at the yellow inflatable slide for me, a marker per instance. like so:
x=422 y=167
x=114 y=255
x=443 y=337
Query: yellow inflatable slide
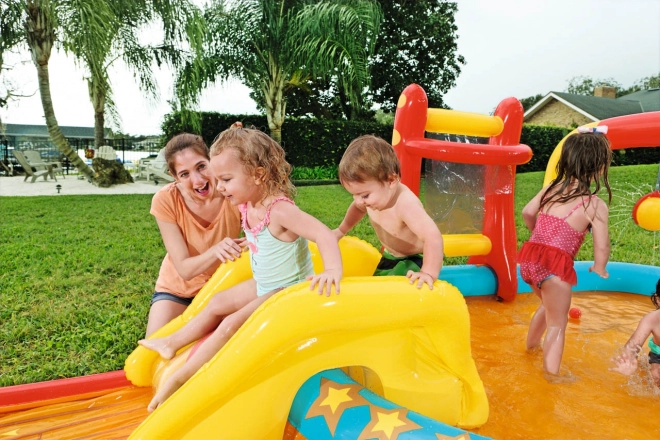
x=415 y=341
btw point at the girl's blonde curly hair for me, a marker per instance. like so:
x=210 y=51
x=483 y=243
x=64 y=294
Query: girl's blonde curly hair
x=254 y=150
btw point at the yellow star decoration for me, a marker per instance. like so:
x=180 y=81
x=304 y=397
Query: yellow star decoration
x=335 y=398
x=461 y=436
x=387 y=424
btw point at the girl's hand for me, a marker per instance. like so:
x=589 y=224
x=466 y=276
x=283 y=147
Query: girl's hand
x=325 y=281
x=421 y=278
x=601 y=272
x=626 y=363
x=229 y=249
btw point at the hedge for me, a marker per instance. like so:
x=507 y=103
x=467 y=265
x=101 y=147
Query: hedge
x=313 y=142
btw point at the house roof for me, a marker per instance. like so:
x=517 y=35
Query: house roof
x=648 y=99
x=42 y=131
x=592 y=107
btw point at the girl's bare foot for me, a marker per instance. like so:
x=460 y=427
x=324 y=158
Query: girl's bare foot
x=160 y=346
x=165 y=391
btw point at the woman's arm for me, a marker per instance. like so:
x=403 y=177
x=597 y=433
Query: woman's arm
x=189 y=267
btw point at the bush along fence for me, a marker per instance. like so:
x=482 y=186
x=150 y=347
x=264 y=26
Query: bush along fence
x=311 y=142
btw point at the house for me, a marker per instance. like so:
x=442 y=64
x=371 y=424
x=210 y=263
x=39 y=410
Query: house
x=570 y=110
x=18 y=133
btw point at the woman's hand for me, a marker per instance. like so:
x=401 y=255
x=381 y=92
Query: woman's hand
x=325 y=281
x=229 y=249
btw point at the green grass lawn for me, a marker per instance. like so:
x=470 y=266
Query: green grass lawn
x=77 y=272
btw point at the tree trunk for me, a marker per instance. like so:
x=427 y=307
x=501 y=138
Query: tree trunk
x=40 y=35
x=53 y=127
x=275 y=104
x=99 y=135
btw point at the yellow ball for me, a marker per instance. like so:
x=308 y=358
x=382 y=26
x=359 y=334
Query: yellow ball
x=647 y=214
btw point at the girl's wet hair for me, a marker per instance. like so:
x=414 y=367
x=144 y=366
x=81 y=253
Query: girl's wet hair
x=655 y=298
x=585 y=159
x=182 y=142
x=369 y=158
x=256 y=150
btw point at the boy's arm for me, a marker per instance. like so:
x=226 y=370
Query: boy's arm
x=650 y=323
x=422 y=225
x=601 y=238
x=294 y=219
x=353 y=215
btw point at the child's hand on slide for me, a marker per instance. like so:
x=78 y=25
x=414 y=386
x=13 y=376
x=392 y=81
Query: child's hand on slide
x=325 y=281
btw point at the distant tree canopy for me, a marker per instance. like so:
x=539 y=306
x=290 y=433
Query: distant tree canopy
x=417 y=43
x=584 y=85
x=529 y=102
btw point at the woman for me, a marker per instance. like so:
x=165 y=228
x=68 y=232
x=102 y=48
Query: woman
x=199 y=229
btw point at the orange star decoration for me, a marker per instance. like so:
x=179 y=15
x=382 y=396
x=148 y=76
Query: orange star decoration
x=461 y=436
x=335 y=398
x=387 y=424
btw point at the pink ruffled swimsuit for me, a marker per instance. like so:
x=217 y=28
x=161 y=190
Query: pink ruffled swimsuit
x=551 y=250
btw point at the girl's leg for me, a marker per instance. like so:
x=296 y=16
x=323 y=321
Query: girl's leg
x=556 y=296
x=209 y=348
x=219 y=306
x=537 y=325
x=162 y=312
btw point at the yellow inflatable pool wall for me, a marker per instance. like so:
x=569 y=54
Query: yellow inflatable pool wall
x=415 y=341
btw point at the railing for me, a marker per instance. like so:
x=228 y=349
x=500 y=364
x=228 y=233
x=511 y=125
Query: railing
x=127 y=150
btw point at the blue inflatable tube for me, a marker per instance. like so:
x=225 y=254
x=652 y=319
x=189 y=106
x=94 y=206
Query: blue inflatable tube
x=624 y=277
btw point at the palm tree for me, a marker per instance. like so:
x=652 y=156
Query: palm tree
x=11 y=36
x=273 y=46
x=41 y=24
x=181 y=22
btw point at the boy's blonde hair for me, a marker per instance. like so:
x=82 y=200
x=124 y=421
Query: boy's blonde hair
x=255 y=149
x=369 y=158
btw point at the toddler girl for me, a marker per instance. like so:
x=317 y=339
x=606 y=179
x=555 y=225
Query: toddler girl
x=559 y=217
x=252 y=174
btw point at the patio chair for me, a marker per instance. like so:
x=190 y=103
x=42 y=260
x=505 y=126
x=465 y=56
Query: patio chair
x=106 y=152
x=35 y=159
x=158 y=168
x=34 y=171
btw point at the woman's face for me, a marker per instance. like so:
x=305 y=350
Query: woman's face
x=193 y=173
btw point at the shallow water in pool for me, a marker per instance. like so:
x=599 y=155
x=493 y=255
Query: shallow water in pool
x=586 y=401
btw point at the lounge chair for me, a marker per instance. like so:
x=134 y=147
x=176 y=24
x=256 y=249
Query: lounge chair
x=36 y=170
x=35 y=159
x=106 y=152
x=158 y=168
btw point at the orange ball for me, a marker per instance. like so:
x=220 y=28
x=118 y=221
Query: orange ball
x=575 y=313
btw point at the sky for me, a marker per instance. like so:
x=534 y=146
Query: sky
x=514 y=48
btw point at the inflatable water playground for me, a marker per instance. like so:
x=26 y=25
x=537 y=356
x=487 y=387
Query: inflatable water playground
x=381 y=360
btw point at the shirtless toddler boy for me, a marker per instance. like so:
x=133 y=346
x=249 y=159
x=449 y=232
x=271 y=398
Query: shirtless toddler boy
x=413 y=245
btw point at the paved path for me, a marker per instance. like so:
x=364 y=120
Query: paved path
x=71 y=185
